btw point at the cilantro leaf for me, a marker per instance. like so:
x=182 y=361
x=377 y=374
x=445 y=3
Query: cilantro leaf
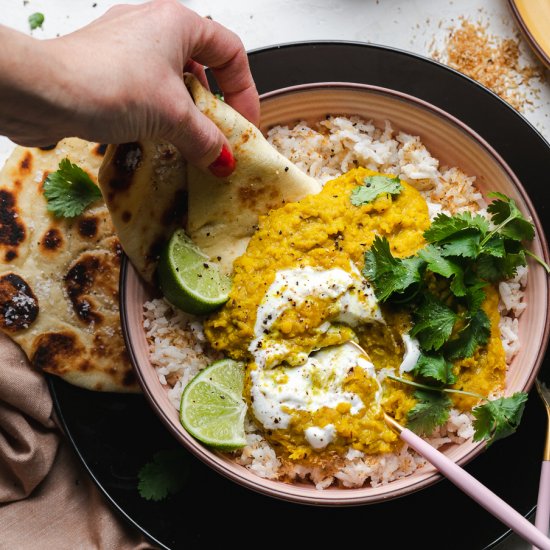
x=475 y=333
x=373 y=187
x=36 y=20
x=69 y=190
x=496 y=269
x=495 y=246
x=433 y=323
x=432 y=410
x=436 y=263
x=444 y=226
x=489 y=267
x=509 y=220
x=166 y=474
x=436 y=367
x=475 y=295
x=498 y=418
x=465 y=243
x=390 y=275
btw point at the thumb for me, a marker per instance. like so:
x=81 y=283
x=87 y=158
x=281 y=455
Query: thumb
x=201 y=142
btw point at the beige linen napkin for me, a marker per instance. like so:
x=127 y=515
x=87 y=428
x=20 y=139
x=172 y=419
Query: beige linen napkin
x=47 y=500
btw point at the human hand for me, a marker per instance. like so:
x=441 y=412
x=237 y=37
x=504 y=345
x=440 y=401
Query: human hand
x=119 y=79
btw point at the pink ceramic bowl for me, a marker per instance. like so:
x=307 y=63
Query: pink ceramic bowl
x=454 y=144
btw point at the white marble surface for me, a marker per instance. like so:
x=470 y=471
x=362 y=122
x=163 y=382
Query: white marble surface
x=415 y=25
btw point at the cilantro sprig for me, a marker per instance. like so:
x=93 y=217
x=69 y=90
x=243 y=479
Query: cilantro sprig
x=165 y=474
x=69 y=190
x=469 y=252
x=36 y=20
x=393 y=277
x=494 y=420
x=373 y=187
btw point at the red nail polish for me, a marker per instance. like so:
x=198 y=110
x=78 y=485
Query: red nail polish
x=224 y=165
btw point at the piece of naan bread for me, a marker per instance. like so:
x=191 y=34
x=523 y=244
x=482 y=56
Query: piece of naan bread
x=145 y=187
x=223 y=213
x=151 y=191
x=59 y=276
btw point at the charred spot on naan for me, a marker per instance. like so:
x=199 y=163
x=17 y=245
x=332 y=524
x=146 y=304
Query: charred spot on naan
x=12 y=229
x=94 y=273
x=25 y=164
x=57 y=352
x=88 y=226
x=243 y=138
x=126 y=162
x=52 y=241
x=254 y=197
x=18 y=303
x=177 y=210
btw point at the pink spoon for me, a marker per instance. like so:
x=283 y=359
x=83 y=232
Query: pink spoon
x=543 y=501
x=473 y=488
x=470 y=485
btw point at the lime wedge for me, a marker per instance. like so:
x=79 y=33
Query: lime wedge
x=188 y=279
x=212 y=408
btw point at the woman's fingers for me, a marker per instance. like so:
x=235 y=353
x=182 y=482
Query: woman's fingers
x=223 y=52
x=200 y=141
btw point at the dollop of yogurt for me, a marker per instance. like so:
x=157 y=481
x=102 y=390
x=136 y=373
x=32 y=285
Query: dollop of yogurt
x=319 y=438
x=411 y=355
x=317 y=383
x=353 y=298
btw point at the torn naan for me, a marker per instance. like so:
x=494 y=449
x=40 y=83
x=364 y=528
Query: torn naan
x=59 y=276
x=223 y=213
x=151 y=191
x=145 y=187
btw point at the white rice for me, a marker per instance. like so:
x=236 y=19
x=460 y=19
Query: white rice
x=178 y=348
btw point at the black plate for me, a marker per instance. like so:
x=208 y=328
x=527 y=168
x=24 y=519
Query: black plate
x=115 y=435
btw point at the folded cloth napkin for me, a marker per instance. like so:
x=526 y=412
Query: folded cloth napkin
x=47 y=500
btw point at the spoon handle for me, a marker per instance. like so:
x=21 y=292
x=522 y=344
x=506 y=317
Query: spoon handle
x=477 y=491
x=543 y=501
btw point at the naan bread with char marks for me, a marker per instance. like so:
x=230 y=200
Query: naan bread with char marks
x=59 y=276
x=150 y=191
x=145 y=187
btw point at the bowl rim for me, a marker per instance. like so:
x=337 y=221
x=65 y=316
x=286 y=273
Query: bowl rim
x=332 y=497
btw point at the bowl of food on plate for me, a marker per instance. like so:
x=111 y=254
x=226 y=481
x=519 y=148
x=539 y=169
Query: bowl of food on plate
x=356 y=214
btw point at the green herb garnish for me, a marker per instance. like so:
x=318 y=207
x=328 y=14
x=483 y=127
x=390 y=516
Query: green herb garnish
x=499 y=418
x=464 y=253
x=476 y=333
x=166 y=474
x=69 y=190
x=373 y=187
x=36 y=20
x=494 y=420
x=431 y=410
x=433 y=323
x=434 y=367
x=391 y=276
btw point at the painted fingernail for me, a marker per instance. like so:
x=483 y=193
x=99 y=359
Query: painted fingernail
x=224 y=165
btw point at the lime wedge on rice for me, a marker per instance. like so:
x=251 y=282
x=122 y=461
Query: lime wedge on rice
x=212 y=408
x=188 y=279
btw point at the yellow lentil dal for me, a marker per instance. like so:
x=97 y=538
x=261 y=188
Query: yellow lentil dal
x=326 y=231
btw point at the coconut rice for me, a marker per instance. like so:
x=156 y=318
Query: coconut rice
x=177 y=345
